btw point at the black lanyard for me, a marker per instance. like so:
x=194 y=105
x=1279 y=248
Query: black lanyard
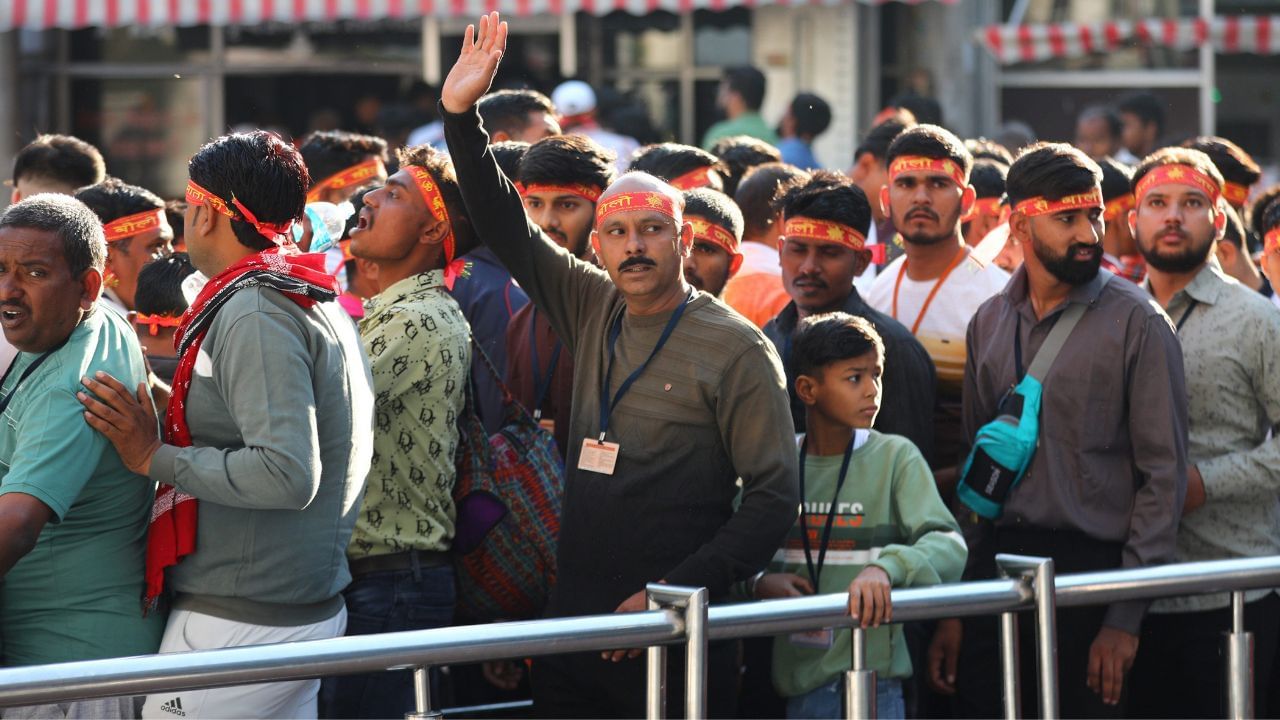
x=816 y=572
x=606 y=407
x=4 y=402
x=541 y=382
x=1186 y=314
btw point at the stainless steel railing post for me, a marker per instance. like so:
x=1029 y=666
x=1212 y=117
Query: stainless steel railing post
x=859 y=682
x=1239 y=667
x=422 y=696
x=1011 y=683
x=1040 y=572
x=693 y=606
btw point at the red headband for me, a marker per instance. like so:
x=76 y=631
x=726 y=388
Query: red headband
x=435 y=204
x=645 y=200
x=590 y=193
x=155 y=322
x=131 y=225
x=1033 y=207
x=1235 y=193
x=990 y=206
x=1117 y=207
x=721 y=237
x=917 y=163
x=1178 y=174
x=693 y=179
x=1271 y=241
x=353 y=176
x=275 y=232
x=804 y=228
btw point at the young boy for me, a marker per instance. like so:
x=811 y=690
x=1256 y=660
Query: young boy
x=871 y=520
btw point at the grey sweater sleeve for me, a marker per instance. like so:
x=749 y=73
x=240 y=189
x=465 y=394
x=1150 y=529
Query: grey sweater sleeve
x=559 y=284
x=263 y=372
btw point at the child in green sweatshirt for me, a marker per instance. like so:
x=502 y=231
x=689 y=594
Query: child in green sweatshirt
x=871 y=520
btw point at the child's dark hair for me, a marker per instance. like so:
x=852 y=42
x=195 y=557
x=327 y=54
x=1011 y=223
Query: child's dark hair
x=820 y=340
x=160 y=285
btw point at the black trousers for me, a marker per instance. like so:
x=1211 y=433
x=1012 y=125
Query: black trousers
x=583 y=685
x=1181 y=661
x=979 y=685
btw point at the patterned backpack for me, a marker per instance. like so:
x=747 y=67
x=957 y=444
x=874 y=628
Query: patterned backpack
x=508 y=493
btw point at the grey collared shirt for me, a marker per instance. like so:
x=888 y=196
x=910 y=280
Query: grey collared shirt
x=1230 y=339
x=1112 y=456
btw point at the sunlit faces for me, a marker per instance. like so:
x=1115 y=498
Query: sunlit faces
x=643 y=251
x=1175 y=226
x=540 y=125
x=40 y=300
x=1066 y=243
x=925 y=205
x=846 y=392
x=818 y=276
x=707 y=266
x=125 y=257
x=391 y=222
x=566 y=218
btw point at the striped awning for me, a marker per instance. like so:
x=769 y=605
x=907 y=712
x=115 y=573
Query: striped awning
x=72 y=14
x=1012 y=44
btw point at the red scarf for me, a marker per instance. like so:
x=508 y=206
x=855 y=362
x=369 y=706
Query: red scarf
x=302 y=279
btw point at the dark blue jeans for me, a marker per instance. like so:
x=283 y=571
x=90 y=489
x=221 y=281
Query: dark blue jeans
x=383 y=602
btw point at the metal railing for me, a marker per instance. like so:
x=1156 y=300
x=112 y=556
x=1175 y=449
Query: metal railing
x=680 y=615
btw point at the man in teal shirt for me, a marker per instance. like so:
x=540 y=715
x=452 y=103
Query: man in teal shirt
x=72 y=518
x=740 y=97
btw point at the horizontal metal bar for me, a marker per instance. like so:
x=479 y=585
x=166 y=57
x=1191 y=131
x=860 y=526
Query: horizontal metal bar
x=1197 y=578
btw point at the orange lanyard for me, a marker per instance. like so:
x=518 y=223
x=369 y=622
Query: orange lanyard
x=960 y=256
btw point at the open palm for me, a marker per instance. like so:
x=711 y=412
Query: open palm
x=472 y=74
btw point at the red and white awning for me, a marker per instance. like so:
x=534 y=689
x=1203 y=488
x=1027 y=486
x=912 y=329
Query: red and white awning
x=1011 y=44
x=72 y=14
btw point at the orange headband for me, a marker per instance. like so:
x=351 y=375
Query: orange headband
x=990 y=206
x=155 y=322
x=435 y=204
x=693 y=179
x=589 y=193
x=1033 y=207
x=1235 y=193
x=648 y=200
x=1178 y=175
x=275 y=232
x=720 y=236
x=351 y=177
x=828 y=232
x=917 y=163
x=135 y=224
x=1271 y=241
x=1115 y=208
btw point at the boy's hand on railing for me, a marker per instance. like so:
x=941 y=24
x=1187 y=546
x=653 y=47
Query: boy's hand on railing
x=1110 y=658
x=944 y=655
x=635 y=603
x=772 y=586
x=473 y=73
x=869 y=597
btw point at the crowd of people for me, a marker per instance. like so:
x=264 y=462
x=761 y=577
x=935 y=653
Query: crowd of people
x=238 y=418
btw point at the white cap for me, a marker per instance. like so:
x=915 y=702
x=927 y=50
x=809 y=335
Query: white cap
x=574 y=97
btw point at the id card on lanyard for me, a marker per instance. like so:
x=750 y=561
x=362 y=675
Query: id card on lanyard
x=597 y=455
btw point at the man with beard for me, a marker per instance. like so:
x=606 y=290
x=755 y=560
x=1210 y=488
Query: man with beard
x=676 y=397
x=717 y=234
x=1239 y=173
x=1105 y=487
x=818 y=272
x=559 y=179
x=937 y=285
x=1229 y=335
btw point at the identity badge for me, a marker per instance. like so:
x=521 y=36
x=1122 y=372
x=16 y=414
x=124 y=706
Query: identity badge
x=598 y=456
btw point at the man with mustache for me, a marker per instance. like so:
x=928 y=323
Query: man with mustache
x=717 y=234
x=937 y=285
x=1105 y=486
x=1229 y=335
x=675 y=398
x=818 y=272
x=559 y=179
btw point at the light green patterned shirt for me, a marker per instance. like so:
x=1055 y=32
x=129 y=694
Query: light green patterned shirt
x=1231 y=353
x=419 y=348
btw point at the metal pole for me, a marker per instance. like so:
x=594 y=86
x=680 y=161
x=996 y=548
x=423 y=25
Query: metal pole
x=656 y=674
x=1009 y=665
x=859 y=682
x=695 y=627
x=1046 y=639
x=1239 y=669
x=422 y=696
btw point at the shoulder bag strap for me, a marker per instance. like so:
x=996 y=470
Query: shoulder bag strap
x=1062 y=329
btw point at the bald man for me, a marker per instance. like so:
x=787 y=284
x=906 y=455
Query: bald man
x=696 y=399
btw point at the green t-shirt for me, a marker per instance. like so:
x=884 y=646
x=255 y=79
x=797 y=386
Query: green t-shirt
x=889 y=515
x=78 y=594
x=745 y=124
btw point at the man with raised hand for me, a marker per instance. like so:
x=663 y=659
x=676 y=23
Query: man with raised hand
x=675 y=397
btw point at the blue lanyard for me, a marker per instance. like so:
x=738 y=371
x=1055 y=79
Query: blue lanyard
x=816 y=571
x=606 y=407
x=541 y=381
